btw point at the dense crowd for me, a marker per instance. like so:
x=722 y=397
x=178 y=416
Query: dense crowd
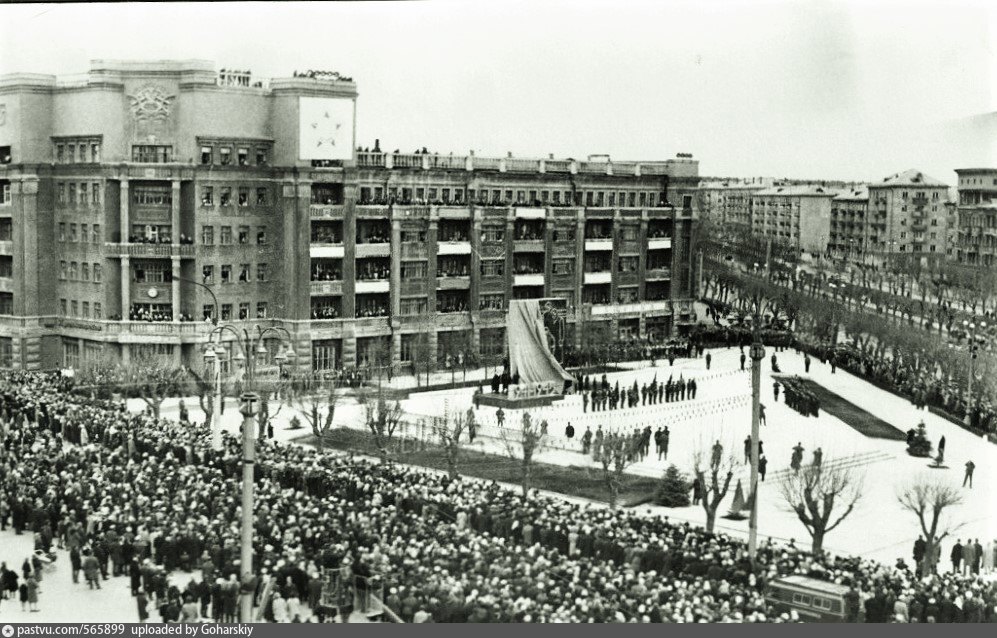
x=147 y=497
x=602 y=396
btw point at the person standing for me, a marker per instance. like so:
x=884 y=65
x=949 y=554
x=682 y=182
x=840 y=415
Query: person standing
x=968 y=556
x=747 y=450
x=806 y=363
x=76 y=561
x=718 y=451
x=33 y=591
x=956 y=556
x=142 y=603
x=743 y=357
x=762 y=466
x=569 y=431
x=970 y=466
x=709 y=359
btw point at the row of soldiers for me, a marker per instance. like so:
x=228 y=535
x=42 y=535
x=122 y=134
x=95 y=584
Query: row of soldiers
x=639 y=445
x=605 y=397
x=798 y=397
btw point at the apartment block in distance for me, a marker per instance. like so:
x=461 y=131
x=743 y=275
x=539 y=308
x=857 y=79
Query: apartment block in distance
x=798 y=216
x=976 y=240
x=907 y=216
x=146 y=200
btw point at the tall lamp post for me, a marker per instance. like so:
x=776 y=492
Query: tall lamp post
x=973 y=347
x=250 y=348
x=757 y=353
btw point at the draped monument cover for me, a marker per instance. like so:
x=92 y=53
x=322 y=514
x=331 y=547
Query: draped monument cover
x=529 y=352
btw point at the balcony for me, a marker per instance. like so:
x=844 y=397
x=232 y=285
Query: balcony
x=599 y=277
x=453 y=248
x=528 y=246
x=528 y=280
x=6 y=247
x=531 y=213
x=373 y=250
x=149 y=250
x=599 y=244
x=373 y=286
x=326 y=211
x=328 y=251
x=453 y=283
x=657 y=274
x=327 y=288
x=638 y=308
x=659 y=243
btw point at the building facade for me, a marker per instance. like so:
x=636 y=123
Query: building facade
x=976 y=217
x=728 y=201
x=849 y=236
x=907 y=216
x=150 y=198
x=796 y=216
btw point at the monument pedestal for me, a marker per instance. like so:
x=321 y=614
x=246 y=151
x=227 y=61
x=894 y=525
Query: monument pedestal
x=507 y=402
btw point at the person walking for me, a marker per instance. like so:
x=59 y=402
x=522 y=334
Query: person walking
x=709 y=359
x=970 y=466
x=762 y=466
x=775 y=391
x=91 y=569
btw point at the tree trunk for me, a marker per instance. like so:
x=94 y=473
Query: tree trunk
x=711 y=519
x=818 y=542
x=527 y=477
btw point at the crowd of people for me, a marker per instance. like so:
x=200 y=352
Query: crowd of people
x=798 y=396
x=149 y=498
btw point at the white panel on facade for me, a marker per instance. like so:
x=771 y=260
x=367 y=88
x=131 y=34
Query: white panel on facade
x=326 y=128
x=372 y=286
x=654 y=244
x=328 y=252
x=453 y=248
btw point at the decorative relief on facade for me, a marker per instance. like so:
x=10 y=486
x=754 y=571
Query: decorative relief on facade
x=151 y=103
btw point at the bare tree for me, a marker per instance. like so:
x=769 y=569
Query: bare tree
x=714 y=482
x=521 y=445
x=618 y=453
x=152 y=379
x=450 y=429
x=315 y=398
x=928 y=499
x=382 y=418
x=204 y=386
x=815 y=491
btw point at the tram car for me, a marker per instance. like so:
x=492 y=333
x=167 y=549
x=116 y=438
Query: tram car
x=814 y=600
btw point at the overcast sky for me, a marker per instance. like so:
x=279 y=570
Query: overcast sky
x=801 y=89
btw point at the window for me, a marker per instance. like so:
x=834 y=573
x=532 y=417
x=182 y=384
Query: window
x=244 y=310
x=226 y=312
x=98 y=310
x=86 y=309
x=492 y=235
x=153 y=273
x=226 y=155
x=152 y=195
x=564 y=233
x=630 y=233
x=261 y=157
x=4 y=193
x=492 y=268
x=261 y=310
x=324 y=355
x=413 y=270
x=261 y=235
x=207 y=311
x=243 y=273
x=243 y=157
x=492 y=302
x=643 y=199
x=226 y=197
x=628 y=264
x=60 y=153
x=208 y=235
x=563 y=266
x=208 y=275
x=208 y=196
x=261 y=196
x=72 y=233
x=63 y=270
x=74 y=308
x=96 y=233
x=62 y=307
x=72 y=193
x=85 y=271
x=84 y=197
x=84 y=233
x=413 y=236
x=152 y=154
x=243 y=234
x=261 y=272
x=205 y=155
x=416 y=306
x=83 y=153
x=225 y=236
x=226 y=274
x=73 y=271
x=243 y=197
x=97 y=273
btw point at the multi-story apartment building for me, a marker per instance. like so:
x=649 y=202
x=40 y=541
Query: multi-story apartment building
x=728 y=201
x=795 y=216
x=148 y=199
x=849 y=231
x=907 y=215
x=976 y=215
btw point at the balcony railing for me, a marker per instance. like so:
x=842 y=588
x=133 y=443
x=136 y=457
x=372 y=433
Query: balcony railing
x=150 y=250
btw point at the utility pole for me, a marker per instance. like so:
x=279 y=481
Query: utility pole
x=248 y=411
x=757 y=353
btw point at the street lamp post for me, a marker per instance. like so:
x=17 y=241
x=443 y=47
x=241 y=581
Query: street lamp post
x=249 y=347
x=972 y=361
x=757 y=352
